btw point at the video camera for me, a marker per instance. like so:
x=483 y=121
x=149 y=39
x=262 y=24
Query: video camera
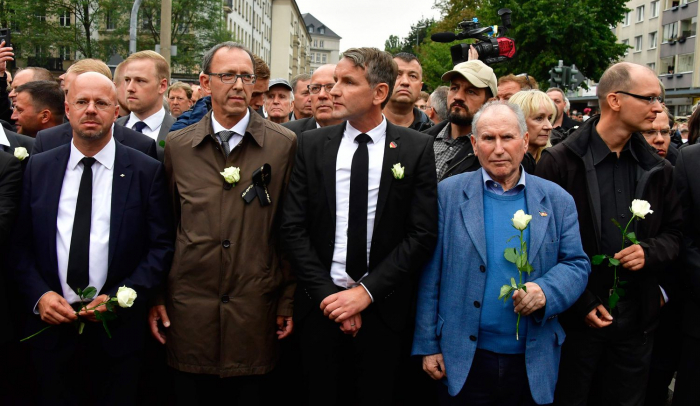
x=492 y=45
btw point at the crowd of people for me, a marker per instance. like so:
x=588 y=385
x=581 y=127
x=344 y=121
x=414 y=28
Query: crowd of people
x=344 y=237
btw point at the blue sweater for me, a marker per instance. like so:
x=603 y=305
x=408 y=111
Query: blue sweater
x=497 y=323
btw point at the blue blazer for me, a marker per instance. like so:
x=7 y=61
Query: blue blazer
x=140 y=240
x=447 y=321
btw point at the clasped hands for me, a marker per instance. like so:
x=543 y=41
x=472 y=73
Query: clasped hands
x=54 y=309
x=345 y=307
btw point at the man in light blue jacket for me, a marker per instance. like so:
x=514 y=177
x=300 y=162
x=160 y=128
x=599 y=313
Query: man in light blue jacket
x=466 y=335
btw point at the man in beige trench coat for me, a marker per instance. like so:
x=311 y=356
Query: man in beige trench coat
x=228 y=298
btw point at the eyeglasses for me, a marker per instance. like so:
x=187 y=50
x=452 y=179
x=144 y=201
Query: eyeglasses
x=652 y=133
x=316 y=88
x=231 y=78
x=80 y=105
x=423 y=107
x=649 y=99
x=527 y=81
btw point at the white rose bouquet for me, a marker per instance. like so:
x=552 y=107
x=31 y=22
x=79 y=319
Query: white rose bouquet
x=125 y=298
x=518 y=257
x=639 y=209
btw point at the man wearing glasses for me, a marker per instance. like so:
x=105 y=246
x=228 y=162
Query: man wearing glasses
x=228 y=298
x=320 y=87
x=604 y=165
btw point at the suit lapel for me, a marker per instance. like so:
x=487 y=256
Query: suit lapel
x=122 y=120
x=539 y=208
x=391 y=157
x=472 y=213
x=168 y=122
x=330 y=156
x=52 y=189
x=120 y=193
x=119 y=133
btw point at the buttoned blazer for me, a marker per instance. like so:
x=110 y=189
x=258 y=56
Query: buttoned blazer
x=140 y=240
x=447 y=316
x=63 y=134
x=405 y=224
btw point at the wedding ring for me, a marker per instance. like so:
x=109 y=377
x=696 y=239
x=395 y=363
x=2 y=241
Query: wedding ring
x=352 y=325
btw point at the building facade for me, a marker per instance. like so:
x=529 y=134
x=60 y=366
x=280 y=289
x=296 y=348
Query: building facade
x=250 y=21
x=325 y=44
x=290 y=42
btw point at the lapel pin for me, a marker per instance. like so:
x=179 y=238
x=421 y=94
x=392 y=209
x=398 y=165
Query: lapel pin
x=543 y=214
x=122 y=175
x=392 y=144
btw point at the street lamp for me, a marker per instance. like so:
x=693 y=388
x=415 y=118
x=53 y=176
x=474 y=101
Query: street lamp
x=418 y=28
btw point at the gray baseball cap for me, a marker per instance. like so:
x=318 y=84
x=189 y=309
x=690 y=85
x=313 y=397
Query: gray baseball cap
x=280 y=82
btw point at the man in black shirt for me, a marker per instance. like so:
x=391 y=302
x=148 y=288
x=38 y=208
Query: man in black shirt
x=606 y=164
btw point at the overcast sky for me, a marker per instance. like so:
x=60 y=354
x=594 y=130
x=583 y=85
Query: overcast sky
x=368 y=22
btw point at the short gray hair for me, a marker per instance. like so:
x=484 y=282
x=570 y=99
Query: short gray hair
x=209 y=55
x=304 y=77
x=438 y=101
x=522 y=125
x=567 y=105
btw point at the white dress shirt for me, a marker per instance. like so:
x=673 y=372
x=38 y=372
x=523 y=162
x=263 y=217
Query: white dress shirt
x=343 y=165
x=102 y=175
x=4 y=141
x=153 y=123
x=238 y=129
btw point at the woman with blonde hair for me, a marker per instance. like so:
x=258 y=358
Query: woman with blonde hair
x=540 y=112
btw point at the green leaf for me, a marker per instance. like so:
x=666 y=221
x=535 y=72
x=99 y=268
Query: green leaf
x=632 y=237
x=515 y=236
x=162 y=143
x=89 y=292
x=505 y=292
x=612 y=301
x=614 y=262
x=622 y=283
x=79 y=292
x=510 y=255
x=523 y=287
x=81 y=326
x=617 y=224
x=110 y=305
x=98 y=315
x=528 y=268
x=620 y=292
x=598 y=259
x=521 y=261
x=513 y=284
x=104 y=324
x=109 y=316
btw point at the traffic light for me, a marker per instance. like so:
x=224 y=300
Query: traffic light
x=576 y=78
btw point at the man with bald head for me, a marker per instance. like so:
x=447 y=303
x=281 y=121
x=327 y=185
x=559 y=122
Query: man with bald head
x=95 y=213
x=27 y=75
x=322 y=81
x=604 y=165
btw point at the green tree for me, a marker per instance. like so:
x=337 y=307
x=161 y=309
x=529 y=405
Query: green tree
x=546 y=31
x=393 y=45
x=453 y=12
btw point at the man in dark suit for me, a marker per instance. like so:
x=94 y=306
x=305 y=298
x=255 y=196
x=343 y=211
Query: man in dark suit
x=360 y=219
x=322 y=82
x=146 y=79
x=12 y=141
x=93 y=213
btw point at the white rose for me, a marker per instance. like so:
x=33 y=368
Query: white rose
x=640 y=208
x=21 y=153
x=231 y=174
x=521 y=220
x=397 y=170
x=126 y=296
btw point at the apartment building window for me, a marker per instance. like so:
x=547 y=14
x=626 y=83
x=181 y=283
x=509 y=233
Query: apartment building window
x=688 y=27
x=64 y=18
x=626 y=20
x=321 y=30
x=312 y=56
x=321 y=43
x=64 y=52
x=667 y=65
x=640 y=14
x=626 y=43
x=323 y=58
x=318 y=57
x=652 y=66
x=315 y=43
x=638 y=43
x=110 y=21
x=670 y=32
x=41 y=17
x=654 y=9
x=685 y=63
x=652 y=39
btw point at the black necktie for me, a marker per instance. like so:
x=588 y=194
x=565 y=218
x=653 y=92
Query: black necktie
x=79 y=256
x=356 y=261
x=225 y=136
x=138 y=127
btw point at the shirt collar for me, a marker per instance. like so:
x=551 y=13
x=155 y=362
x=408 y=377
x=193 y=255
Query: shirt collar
x=600 y=149
x=239 y=128
x=3 y=137
x=105 y=157
x=152 y=122
x=492 y=185
x=377 y=134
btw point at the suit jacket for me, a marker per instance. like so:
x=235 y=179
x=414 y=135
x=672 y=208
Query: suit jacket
x=447 y=315
x=301 y=125
x=168 y=122
x=63 y=134
x=140 y=241
x=10 y=188
x=687 y=167
x=405 y=224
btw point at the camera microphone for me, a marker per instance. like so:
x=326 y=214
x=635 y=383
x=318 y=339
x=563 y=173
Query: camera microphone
x=443 y=37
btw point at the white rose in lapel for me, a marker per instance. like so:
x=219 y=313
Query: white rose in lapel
x=397 y=170
x=21 y=153
x=641 y=208
x=521 y=220
x=231 y=175
x=126 y=296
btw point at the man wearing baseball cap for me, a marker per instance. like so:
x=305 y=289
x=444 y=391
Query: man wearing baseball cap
x=278 y=101
x=472 y=83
